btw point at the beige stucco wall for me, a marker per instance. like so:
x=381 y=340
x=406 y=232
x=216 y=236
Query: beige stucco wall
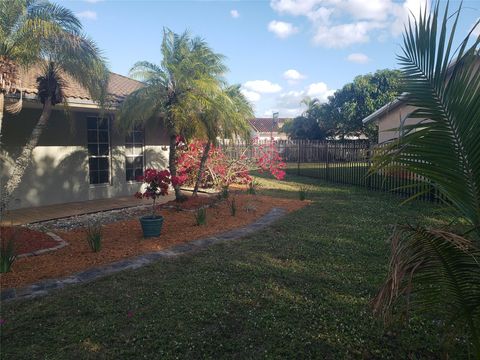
x=389 y=123
x=59 y=169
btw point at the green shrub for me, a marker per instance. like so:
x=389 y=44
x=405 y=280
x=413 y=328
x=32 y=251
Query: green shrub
x=7 y=254
x=201 y=216
x=252 y=188
x=224 y=193
x=94 y=236
x=302 y=193
x=233 y=207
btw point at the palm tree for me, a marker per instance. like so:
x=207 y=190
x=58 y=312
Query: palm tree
x=189 y=75
x=226 y=117
x=64 y=54
x=24 y=24
x=439 y=267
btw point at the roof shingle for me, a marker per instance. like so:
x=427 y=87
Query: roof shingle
x=119 y=86
x=266 y=124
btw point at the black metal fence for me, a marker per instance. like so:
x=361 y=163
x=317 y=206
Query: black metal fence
x=345 y=162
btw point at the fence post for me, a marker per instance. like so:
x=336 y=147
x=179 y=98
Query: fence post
x=369 y=161
x=327 y=165
x=298 y=157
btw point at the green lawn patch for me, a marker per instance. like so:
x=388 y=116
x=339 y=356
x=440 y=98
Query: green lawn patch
x=299 y=289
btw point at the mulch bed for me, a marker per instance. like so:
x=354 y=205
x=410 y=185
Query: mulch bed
x=124 y=239
x=25 y=240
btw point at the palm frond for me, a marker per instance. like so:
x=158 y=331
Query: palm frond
x=433 y=269
x=443 y=85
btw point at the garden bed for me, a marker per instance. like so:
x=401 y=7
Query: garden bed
x=25 y=241
x=123 y=239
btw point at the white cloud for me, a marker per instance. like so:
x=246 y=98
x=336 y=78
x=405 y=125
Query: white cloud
x=282 y=29
x=377 y=10
x=403 y=13
x=341 y=23
x=93 y=1
x=358 y=58
x=293 y=76
x=341 y=36
x=87 y=15
x=319 y=91
x=262 y=86
x=234 y=14
x=289 y=104
x=251 y=95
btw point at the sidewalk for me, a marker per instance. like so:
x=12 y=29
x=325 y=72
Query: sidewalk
x=57 y=211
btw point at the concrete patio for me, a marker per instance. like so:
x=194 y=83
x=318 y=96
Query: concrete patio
x=57 y=211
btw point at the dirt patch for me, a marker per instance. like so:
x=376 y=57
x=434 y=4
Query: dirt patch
x=25 y=240
x=123 y=239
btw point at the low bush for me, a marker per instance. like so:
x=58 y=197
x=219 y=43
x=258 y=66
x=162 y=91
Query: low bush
x=201 y=216
x=252 y=187
x=94 y=236
x=224 y=193
x=302 y=193
x=233 y=207
x=7 y=253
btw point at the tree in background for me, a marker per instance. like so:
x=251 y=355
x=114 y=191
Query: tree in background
x=358 y=99
x=64 y=51
x=189 y=75
x=313 y=124
x=437 y=269
x=343 y=113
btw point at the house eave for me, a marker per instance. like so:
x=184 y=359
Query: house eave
x=385 y=109
x=72 y=103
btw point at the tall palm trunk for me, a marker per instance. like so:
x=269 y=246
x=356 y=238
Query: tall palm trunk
x=2 y=104
x=201 y=169
x=25 y=157
x=172 y=164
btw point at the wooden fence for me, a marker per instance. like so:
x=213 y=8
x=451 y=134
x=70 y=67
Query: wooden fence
x=345 y=162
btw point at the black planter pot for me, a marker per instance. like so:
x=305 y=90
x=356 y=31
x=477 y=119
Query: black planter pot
x=151 y=226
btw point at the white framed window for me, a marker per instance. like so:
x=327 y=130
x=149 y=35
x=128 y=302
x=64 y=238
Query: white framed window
x=98 y=143
x=134 y=154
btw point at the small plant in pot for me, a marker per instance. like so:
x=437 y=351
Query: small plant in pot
x=155 y=184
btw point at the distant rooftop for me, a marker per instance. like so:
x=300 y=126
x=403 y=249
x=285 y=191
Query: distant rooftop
x=266 y=124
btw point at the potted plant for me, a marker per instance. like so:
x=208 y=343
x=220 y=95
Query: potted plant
x=155 y=184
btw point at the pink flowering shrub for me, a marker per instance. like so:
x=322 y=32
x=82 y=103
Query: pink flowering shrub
x=155 y=184
x=221 y=170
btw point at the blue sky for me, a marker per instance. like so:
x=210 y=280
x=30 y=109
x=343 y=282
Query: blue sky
x=280 y=50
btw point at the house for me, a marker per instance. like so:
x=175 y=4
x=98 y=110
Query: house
x=391 y=118
x=83 y=156
x=267 y=128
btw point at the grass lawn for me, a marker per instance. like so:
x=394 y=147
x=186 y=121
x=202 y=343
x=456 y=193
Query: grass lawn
x=299 y=289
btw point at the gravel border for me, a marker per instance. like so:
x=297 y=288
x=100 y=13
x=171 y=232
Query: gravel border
x=61 y=243
x=46 y=286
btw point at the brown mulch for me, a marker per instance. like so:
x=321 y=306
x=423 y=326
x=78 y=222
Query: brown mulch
x=191 y=203
x=25 y=240
x=123 y=239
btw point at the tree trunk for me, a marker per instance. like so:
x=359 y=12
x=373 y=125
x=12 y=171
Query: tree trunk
x=201 y=169
x=172 y=158
x=2 y=105
x=25 y=157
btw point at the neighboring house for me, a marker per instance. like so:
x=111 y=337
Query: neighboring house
x=267 y=128
x=391 y=118
x=83 y=156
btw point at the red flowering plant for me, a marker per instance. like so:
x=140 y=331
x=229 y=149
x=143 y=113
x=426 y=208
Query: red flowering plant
x=155 y=184
x=222 y=169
